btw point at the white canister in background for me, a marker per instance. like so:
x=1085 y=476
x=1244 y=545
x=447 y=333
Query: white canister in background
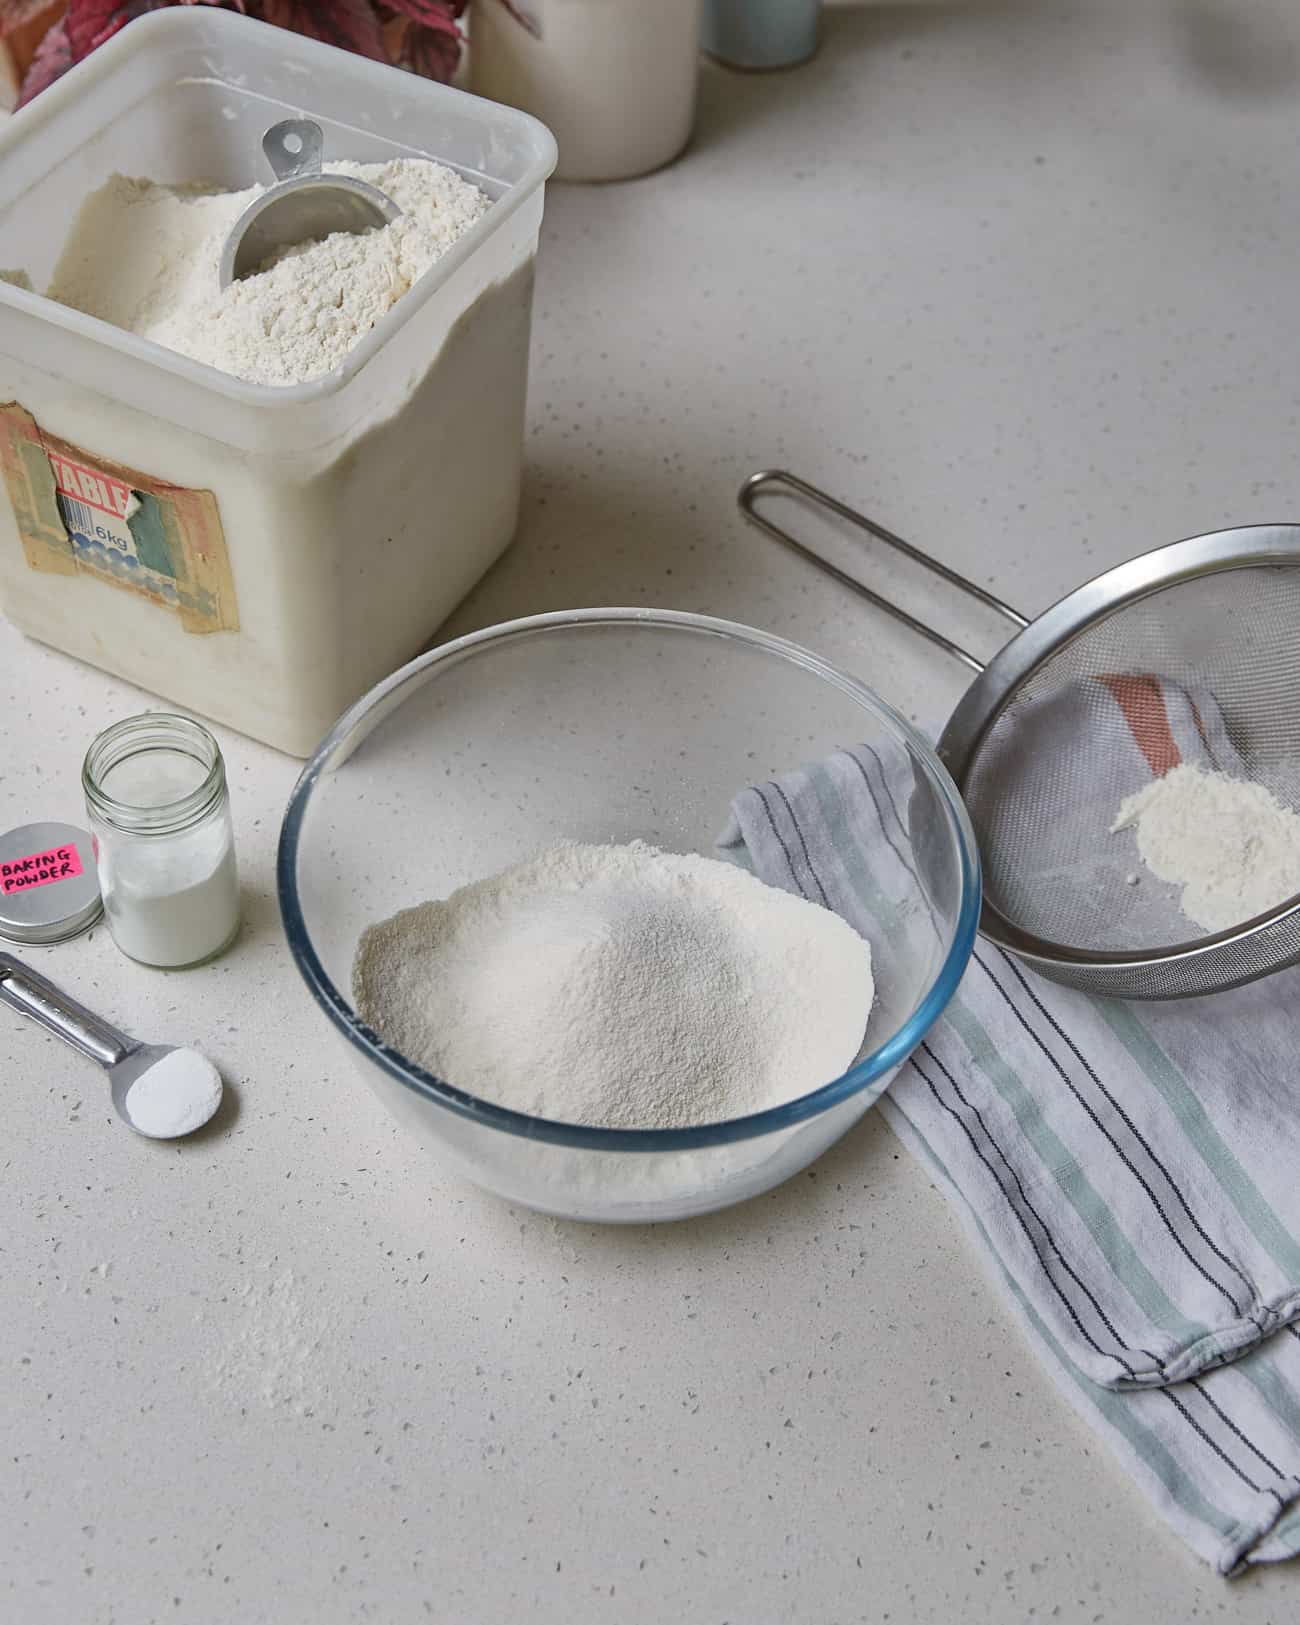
x=614 y=79
x=160 y=811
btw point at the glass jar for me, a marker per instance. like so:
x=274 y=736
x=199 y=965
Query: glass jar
x=160 y=819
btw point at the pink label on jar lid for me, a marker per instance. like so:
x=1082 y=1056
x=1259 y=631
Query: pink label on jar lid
x=40 y=869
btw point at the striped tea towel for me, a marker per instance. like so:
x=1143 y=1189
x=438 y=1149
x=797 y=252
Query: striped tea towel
x=1132 y=1172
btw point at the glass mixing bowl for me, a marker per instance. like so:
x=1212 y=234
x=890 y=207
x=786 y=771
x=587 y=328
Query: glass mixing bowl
x=604 y=725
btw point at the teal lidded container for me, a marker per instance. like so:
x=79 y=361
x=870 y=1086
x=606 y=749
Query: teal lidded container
x=761 y=34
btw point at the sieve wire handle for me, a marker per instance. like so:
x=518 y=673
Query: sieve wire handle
x=775 y=479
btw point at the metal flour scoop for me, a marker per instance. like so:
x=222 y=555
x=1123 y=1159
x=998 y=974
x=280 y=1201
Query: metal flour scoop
x=303 y=205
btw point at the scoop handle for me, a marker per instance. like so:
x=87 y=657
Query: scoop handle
x=28 y=992
x=294 y=148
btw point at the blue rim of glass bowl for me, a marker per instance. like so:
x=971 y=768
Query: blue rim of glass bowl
x=892 y=1053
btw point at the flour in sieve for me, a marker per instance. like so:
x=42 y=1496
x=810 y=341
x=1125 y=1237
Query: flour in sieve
x=620 y=986
x=1231 y=845
x=294 y=320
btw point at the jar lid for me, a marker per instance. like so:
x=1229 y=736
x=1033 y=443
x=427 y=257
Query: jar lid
x=49 y=889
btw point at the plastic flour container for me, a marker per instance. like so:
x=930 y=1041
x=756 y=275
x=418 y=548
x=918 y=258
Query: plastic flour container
x=259 y=555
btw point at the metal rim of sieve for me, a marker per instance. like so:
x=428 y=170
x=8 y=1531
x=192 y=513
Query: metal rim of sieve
x=1032 y=646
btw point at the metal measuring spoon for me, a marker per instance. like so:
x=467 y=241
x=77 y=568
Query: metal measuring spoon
x=303 y=206
x=159 y=1090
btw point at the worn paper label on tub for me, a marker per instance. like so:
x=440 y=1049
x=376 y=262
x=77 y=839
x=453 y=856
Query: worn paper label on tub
x=81 y=514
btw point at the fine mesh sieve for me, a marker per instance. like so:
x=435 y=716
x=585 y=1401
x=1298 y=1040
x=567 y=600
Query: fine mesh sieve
x=1047 y=741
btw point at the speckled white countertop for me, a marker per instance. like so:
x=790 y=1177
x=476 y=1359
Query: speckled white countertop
x=1021 y=280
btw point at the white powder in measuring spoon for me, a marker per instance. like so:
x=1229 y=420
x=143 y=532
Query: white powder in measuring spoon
x=1232 y=846
x=622 y=986
x=145 y=257
x=176 y=1095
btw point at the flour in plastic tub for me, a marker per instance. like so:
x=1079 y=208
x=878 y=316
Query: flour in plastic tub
x=298 y=316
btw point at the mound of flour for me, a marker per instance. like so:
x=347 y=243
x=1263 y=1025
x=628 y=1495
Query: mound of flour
x=1231 y=845
x=145 y=256
x=622 y=986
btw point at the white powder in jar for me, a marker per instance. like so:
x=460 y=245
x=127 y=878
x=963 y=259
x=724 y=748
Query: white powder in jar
x=295 y=319
x=620 y=986
x=172 y=901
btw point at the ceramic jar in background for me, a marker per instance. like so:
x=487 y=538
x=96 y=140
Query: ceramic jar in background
x=761 y=34
x=614 y=79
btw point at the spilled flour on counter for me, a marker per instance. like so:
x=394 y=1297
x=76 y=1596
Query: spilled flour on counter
x=620 y=986
x=1232 y=846
x=276 y=1351
x=145 y=257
